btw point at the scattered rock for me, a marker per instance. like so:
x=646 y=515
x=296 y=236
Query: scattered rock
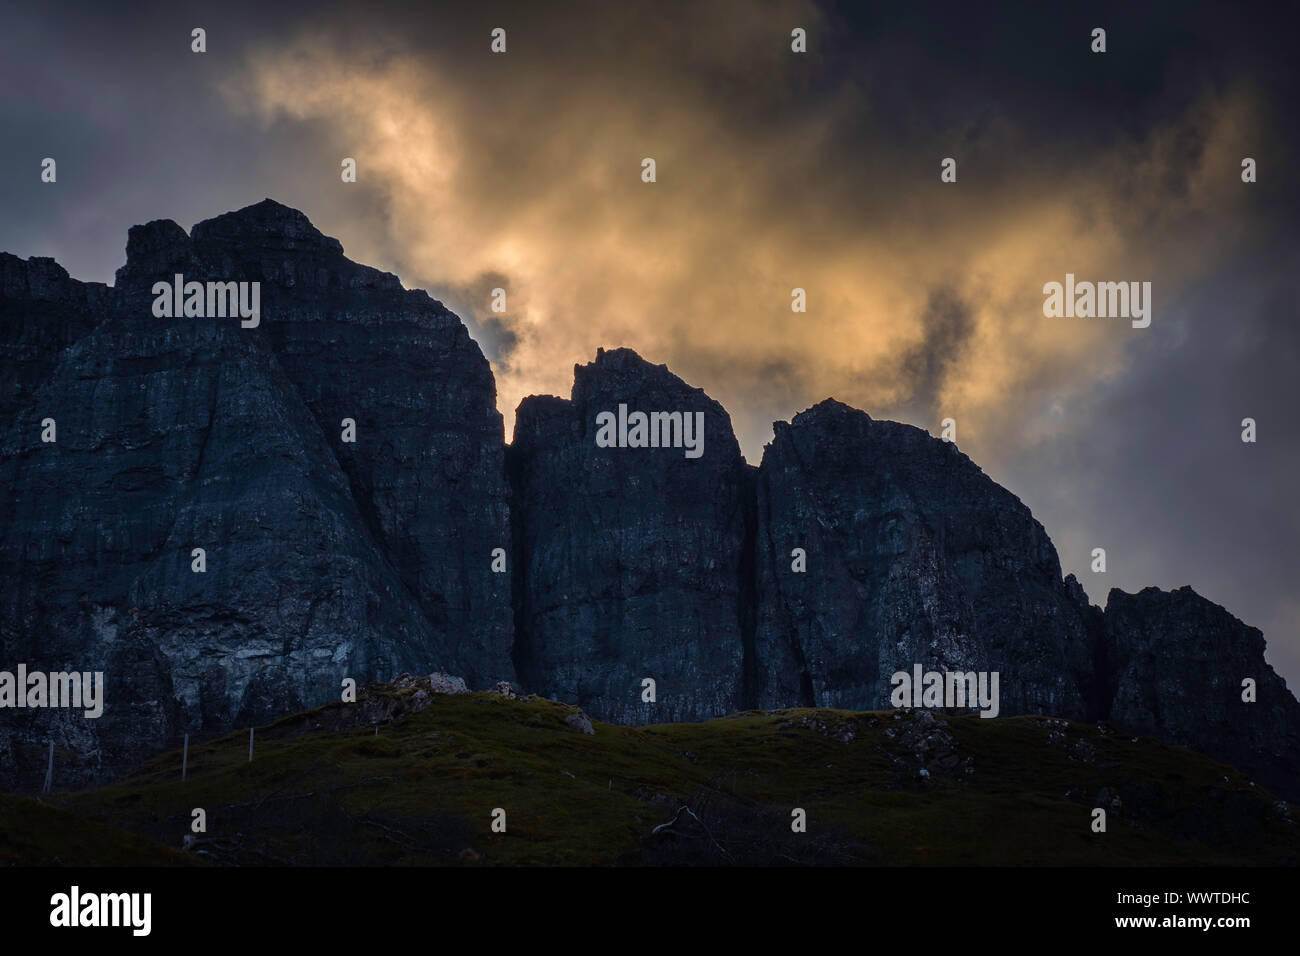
x=845 y=731
x=925 y=746
x=446 y=684
x=1083 y=751
x=579 y=722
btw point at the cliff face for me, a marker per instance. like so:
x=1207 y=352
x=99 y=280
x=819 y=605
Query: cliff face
x=427 y=468
x=1177 y=666
x=913 y=556
x=45 y=311
x=183 y=433
x=587 y=557
x=629 y=559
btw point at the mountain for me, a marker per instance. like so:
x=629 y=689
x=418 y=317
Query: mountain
x=341 y=463
x=628 y=559
x=325 y=560
x=912 y=555
x=1175 y=664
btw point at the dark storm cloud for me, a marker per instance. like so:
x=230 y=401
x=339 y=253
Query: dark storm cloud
x=947 y=327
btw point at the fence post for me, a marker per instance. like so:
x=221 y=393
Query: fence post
x=49 y=771
x=185 y=757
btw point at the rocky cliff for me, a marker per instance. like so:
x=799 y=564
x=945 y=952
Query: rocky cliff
x=629 y=559
x=341 y=464
x=323 y=559
x=907 y=554
x=1176 y=667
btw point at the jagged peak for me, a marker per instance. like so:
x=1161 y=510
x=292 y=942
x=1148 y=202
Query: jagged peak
x=624 y=369
x=153 y=247
x=620 y=355
x=42 y=267
x=158 y=228
x=832 y=415
x=263 y=220
x=1074 y=588
x=539 y=418
x=847 y=423
x=828 y=409
x=41 y=277
x=615 y=376
x=620 y=359
x=1153 y=592
x=1183 y=598
x=541 y=402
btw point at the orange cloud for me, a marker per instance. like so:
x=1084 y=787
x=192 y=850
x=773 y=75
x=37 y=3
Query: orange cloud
x=526 y=171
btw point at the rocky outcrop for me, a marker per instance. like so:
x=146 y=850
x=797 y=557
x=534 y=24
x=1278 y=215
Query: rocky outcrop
x=176 y=434
x=427 y=467
x=910 y=555
x=45 y=311
x=628 y=560
x=1177 y=664
x=581 y=561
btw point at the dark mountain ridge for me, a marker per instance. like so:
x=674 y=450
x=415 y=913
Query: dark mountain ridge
x=578 y=569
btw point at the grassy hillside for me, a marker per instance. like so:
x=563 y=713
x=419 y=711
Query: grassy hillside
x=888 y=788
x=33 y=833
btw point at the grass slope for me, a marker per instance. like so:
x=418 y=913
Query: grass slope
x=33 y=833
x=889 y=788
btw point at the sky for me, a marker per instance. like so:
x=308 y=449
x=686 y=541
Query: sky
x=775 y=170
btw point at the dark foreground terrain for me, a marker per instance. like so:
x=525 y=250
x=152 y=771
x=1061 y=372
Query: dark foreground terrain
x=879 y=788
